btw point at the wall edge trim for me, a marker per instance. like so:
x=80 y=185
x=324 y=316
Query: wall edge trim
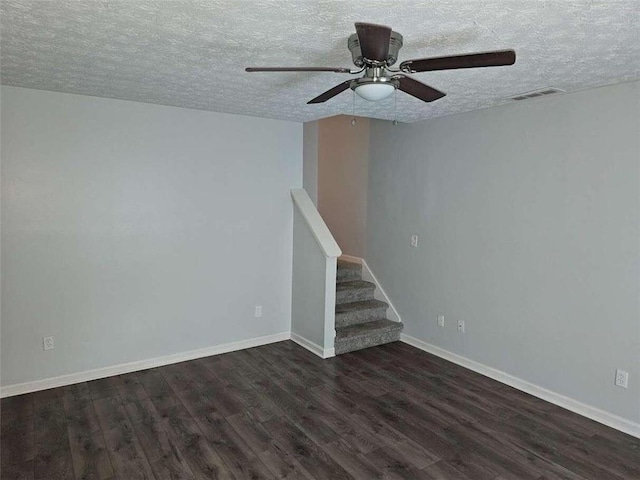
x=379 y=293
x=313 y=347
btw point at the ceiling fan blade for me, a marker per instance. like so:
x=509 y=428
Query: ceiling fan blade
x=418 y=89
x=473 y=60
x=374 y=41
x=297 y=69
x=331 y=93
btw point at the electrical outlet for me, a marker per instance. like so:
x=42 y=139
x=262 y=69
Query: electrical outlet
x=414 y=240
x=441 y=320
x=622 y=378
x=461 y=326
x=47 y=343
x=258 y=312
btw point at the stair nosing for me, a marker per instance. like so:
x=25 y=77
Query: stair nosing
x=362 y=284
x=369 y=304
x=385 y=327
x=391 y=324
x=354 y=265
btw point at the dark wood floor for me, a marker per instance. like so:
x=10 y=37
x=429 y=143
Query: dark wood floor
x=280 y=412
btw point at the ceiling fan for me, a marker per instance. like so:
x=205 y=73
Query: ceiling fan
x=374 y=49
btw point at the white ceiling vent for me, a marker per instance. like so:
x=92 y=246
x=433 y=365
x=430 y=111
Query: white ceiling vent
x=536 y=93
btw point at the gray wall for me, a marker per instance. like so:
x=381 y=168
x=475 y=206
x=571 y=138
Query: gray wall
x=343 y=158
x=132 y=231
x=529 y=220
x=308 y=287
x=310 y=160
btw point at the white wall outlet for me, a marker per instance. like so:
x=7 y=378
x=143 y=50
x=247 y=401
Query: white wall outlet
x=622 y=378
x=461 y=326
x=47 y=343
x=258 y=311
x=414 y=240
x=441 y=320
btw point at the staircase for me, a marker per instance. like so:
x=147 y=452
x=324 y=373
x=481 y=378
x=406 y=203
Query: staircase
x=361 y=320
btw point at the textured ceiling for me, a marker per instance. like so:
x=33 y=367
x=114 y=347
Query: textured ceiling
x=192 y=53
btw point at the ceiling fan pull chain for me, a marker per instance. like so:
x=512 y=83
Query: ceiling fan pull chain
x=395 y=107
x=353 y=120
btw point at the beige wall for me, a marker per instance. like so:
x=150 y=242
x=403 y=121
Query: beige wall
x=343 y=153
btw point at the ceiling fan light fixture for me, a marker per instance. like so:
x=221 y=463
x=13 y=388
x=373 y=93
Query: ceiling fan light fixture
x=374 y=48
x=375 y=91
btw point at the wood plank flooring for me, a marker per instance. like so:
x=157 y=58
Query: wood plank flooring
x=277 y=411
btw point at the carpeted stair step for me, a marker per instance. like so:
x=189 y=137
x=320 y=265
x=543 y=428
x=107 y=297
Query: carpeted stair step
x=354 y=291
x=364 y=335
x=364 y=311
x=360 y=319
x=348 y=271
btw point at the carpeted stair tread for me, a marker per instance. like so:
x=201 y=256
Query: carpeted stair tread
x=364 y=329
x=360 y=312
x=349 y=265
x=354 y=291
x=354 y=284
x=348 y=271
x=365 y=335
x=361 y=305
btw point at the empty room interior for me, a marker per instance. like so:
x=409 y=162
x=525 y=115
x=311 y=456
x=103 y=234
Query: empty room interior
x=320 y=240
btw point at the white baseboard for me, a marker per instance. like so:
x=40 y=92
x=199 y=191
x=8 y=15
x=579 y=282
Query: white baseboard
x=313 y=347
x=379 y=293
x=87 y=375
x=593 y=413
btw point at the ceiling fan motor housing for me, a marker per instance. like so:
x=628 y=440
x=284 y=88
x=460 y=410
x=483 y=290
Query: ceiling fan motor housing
x=395 y=44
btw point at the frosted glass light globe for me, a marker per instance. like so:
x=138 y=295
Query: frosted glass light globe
x=375 y=91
